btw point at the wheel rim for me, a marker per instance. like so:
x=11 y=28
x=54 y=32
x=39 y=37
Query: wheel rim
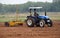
x=41 y=23
x=29 y=22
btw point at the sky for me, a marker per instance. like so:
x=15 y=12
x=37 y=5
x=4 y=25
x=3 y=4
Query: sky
x=21 y=1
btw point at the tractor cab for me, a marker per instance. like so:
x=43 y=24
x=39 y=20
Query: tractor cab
x=36 y=14
x=36 y=19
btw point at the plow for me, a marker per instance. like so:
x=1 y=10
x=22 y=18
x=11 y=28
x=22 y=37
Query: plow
x=15 y=22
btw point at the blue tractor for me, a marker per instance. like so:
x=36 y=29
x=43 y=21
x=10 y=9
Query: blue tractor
x=37 y=20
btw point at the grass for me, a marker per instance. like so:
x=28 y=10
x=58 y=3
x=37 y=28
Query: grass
x=55 y=18
x=7 y=19
x=22 y=17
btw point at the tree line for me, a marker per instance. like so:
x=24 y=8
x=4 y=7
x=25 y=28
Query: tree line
x=50 y=7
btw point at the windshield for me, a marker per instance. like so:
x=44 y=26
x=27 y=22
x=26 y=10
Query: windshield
x=38 y=11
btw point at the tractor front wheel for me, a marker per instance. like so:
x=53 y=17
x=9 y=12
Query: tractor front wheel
x=41 y=23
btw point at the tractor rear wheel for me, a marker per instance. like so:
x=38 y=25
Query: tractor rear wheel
x=7 y=24
x=30 y=22
x=41 y=23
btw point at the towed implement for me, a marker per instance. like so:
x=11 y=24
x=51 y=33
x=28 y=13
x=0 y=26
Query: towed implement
x=15 y=22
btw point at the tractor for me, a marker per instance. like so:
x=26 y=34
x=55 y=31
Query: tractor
x=36 y=19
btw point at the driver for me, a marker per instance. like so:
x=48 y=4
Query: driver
x=35 y=14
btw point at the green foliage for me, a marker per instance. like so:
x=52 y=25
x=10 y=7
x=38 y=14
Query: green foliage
x=50 y=7
x=56 y=6
x=0 y=7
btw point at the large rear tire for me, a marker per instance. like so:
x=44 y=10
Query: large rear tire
x=30 y=22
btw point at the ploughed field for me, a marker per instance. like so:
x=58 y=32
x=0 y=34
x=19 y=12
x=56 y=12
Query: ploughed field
x=30 y=32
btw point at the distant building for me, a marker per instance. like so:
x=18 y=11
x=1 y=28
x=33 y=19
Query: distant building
x=56 y=0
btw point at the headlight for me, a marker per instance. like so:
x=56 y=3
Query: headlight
x=48 y=20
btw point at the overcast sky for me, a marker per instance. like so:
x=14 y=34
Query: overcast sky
x=21 y=1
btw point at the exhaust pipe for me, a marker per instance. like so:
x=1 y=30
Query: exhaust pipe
x=45 y=13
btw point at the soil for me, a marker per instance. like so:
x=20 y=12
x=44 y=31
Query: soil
x=30 y=32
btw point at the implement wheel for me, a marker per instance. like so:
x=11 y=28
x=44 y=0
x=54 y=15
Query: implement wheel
x=6 y=24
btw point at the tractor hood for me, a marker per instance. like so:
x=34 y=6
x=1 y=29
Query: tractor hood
x=44 y=17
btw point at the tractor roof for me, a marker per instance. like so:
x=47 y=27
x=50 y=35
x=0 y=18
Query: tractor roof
x=35 y=7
